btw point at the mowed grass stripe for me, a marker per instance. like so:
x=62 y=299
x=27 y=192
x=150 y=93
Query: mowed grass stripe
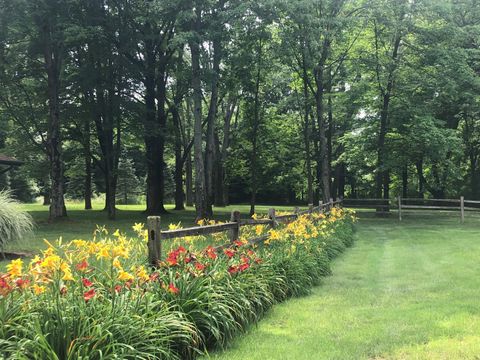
x=404 y=291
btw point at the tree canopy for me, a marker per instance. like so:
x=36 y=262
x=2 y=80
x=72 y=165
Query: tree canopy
x=211 y=102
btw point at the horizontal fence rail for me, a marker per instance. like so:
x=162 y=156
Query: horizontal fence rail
x=156 y=235
x=384 y=206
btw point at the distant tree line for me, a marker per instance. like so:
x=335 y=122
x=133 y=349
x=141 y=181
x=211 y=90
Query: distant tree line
x=204 y=102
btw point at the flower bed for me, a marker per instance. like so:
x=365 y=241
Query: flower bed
x=97 y=299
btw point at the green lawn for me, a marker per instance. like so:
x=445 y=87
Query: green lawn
x=407 y=290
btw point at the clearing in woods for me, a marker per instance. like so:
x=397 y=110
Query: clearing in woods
x=406 y=290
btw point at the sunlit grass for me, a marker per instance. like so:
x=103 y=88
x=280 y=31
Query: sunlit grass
x=405 y=290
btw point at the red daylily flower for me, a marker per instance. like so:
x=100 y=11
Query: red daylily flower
x=229 y=252
x=4 y=285
x=128 y=284
x=172 y=289
x=87 y=295
x=82 y=266
x=172 y=258
x=21 y=283
x=63 y=290
x=199 y=266
x=118 y=288
x=154 y=276
x=86 y=282
x=238 y=243
x=211 y=252
x=233 y=269
x=243 y=267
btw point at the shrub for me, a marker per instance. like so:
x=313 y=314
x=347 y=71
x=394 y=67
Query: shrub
x=97 y=299
x=15 y=223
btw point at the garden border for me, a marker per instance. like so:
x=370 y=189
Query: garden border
x=156 y=235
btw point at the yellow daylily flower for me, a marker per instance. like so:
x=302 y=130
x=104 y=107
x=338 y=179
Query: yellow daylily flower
x=15 y=268
x=38 y=289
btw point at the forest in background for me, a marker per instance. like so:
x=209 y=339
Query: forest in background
x=204 y=102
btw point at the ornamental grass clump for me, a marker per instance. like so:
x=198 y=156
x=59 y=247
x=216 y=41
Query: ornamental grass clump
x=98 y=299
x=15 y=224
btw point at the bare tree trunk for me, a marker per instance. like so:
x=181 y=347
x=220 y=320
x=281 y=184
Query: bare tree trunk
x=405 y=181
x=321 y=124
x=341 y=180
x=474 y=177
x=421 y=179
x=189 y=196
x=53 y=60
x=178 y=175
x=256 y=124
x=88 y=167
x=46 y=199
x=307 y=131
x=330 y=136
x=189 y=181
x=200 y=187
x=222 y=195
x=211 y=117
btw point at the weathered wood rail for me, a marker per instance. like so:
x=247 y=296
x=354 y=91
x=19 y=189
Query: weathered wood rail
x=402 y=204
x=156 y=235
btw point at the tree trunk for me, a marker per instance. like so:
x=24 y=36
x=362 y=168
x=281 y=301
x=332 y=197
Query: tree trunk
x=324 y=170
x=54 y=142
x=218 y=175
x=88 y=167
x=405 y=182
x=189 y=196
x=189 y=181
x=221 y=197
x=46 y=199
x=474 y=177
x=256 y=124
x=178 y=175
x=211 y=117
x=421 y=179
x=330 y=133
x=307 y=131
x=200 y=187
x=341 y=180
x=155 y=122
x=159 y=201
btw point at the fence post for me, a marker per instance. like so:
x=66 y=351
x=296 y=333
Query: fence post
x=399 y=199
x=310 y=209
x=234 y=233
x=462 y=208
x=330 y=206
x=154 y=240
x=296 y=211
x=271 y=216
x=320 y=206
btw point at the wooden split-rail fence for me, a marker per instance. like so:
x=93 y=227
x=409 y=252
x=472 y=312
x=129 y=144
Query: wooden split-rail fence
x=402 y=204
x=156 y=235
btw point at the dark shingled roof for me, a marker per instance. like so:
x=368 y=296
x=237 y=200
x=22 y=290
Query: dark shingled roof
x=7 y=160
